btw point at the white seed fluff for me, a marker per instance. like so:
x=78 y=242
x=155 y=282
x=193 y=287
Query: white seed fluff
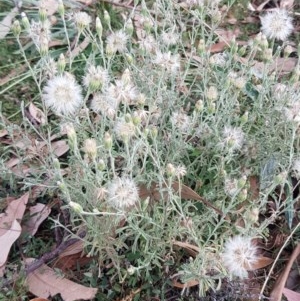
x=277 y=24
x=122 y=193
x=117 y=41
x=63 y=95
x=239 y=255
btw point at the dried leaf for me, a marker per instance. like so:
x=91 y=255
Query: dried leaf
x=3 y=133
x=188 y=284
x=185 y=193
x=261 y=7
x=131 y=296
x=75 y=248
x=37 y=114
x=5 y=24
x=12 y=162
x=44 y=282
x=291 y=295
x=14 y=211
x=51 y=6
x=277 y=291
x=38 y=214
x=261 y=263
x=191 y=249
x=60 y=147
x=7 y=240
x=287 y=4
x=280 y=65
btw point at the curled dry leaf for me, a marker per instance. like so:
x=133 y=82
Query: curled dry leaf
x=59 y=147
x=7 y=239
x=188 y=284
x=50 y=6
x=287 y=4
x=261 y=263
x=10 y=228
x=279 y=285
x=3 y=133
x=37 y=114
x=38 y=214
x=185 y=193
x=44 y=282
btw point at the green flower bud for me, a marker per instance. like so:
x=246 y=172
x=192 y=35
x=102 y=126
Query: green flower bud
x=16 y=28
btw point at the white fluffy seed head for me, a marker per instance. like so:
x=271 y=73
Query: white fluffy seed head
x=122 y=193
x=277 y=24
x=233 y=138
x=181 y=121
x=63 y=95
x=96 y=78
x=117 y=41
x=105 y=104
x=82 y=20
x=239 y=256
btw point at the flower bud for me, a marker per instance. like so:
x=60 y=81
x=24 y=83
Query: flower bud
x=61 y=8
x=131 y=270
x=76 y=207
x=42 y=13
x=107 y=140
x=61 y=64
x=56 y=163
x=25 y=21
x=99 y=27
x=129 y=27
x=16 y=28
x=101 y=165
x=199 y=105
x=170 y=170
x=201 y=47
x=287 y=50
x=90 y=148
x=107 y=18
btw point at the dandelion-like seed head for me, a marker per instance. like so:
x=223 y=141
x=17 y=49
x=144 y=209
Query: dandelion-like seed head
x=231 y=187
x=122 y=193
x=181 y=121
x=169 y=62
x=96 y=78
x=148 y=44
x=63 y=95
x=277 y=24
x=233 y=138
x=180 y=171
x=240 y=255
x=105 y=104
x=124 y=91
x=219 y=59
x=169 y=38
x=82 y=20
x=40 y=34
x=124 y=130
x=117 y=41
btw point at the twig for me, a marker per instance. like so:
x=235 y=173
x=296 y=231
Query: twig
x=50 y=255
